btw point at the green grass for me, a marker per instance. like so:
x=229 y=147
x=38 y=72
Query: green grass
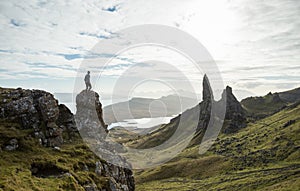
x=164 y=132
x=15 y=166
x=263 y=156
x=262 y=106
x=266 y=179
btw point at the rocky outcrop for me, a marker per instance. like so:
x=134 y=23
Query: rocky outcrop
x=120 y=178
x=205 y=105
x=66 y=121
x=89 y=101
x=38 y=110
x=207 y=94
x=90 y=123
x=263 y=106
x=89 y=115
x=37 y=115
x=235 y=117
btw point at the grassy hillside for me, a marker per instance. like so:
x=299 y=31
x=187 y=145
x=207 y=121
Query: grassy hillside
x=165 y=131
x=291 y=95
x=262 y=106
x=34 y=167
x=263 y=156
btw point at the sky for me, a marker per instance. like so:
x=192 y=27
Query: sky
x=255 y=43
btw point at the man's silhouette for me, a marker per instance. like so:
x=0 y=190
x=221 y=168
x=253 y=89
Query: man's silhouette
x=88 y=81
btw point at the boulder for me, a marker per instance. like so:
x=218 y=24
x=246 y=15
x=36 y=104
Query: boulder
x=12 y=145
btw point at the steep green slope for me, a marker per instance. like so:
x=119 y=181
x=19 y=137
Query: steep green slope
x=291 y=95
x=199 y=117
x=263 y=156
x=34 y=167
x=164 y=132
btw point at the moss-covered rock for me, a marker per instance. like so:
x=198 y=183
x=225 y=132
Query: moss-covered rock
x=41 y=148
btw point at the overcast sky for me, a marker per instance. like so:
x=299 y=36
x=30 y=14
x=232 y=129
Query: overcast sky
x=255 y=43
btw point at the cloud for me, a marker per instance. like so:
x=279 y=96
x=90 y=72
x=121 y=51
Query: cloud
x=256 y=41
x=71 y=56
x=94 y=35
x=17 y=23
x=45 y=66
x=113 y=8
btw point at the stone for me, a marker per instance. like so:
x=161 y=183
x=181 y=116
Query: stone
x=99 y=168
x=207 y=91
x=49 y=108
x=40 y=111
x=235 y=117
x=89 y=116
x=12 y=145
x=56 y=148
x=91 y=187
x=205 y=105
x=113 y=184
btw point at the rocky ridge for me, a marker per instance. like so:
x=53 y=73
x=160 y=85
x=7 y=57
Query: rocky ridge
x=40 y=111
x=235 y=117
x=34 y=116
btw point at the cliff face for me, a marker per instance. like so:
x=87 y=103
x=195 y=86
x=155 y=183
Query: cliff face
x=40 y=111
x=205 y=105
x=35 y=126
x=90 y=123
x=235 y=117
x=89 y=101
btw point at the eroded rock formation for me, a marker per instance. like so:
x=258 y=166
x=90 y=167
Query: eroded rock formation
x=38 y=115
x=40 y=111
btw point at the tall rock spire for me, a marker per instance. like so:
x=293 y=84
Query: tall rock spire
x=205 y=105
x=207 y=91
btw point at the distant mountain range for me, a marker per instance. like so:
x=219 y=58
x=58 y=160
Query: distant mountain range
x=147 y=107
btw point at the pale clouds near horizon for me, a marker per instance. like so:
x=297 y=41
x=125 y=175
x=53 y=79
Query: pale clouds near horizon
x=255 y=43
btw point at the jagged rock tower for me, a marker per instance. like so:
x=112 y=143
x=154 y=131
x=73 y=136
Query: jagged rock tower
x=235 y=117
x=89 y=115
x=205 y=105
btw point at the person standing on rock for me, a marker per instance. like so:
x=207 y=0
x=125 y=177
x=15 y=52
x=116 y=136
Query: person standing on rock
x=87 y=80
